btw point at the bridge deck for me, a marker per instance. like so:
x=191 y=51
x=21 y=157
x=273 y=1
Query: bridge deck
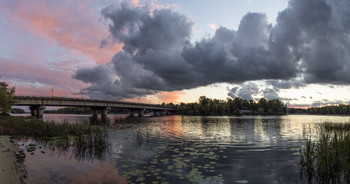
x=59 y=101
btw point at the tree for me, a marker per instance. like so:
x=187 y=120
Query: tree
x=204 y=103
x=236 y=106
x=262 y=106
x=6 y=98
x=17 y=111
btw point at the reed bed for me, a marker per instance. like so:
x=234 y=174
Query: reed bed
x=140 y=135
x=83 y=138
x=327 y=159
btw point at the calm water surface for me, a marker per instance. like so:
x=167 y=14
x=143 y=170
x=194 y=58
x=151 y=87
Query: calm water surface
x=185 y=149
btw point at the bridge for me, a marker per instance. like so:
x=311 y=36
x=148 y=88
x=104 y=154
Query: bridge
x=37 y=105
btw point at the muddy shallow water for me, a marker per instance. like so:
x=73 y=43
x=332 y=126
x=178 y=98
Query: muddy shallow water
x=184 y=149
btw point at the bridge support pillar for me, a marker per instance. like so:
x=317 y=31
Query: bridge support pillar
x=155 y=113
x=131 y=112
x=33 y=111
x=104 y=117
x=95 y=111
x=140 y=112
x=104 y=111
x=37 y=111
x=94 y=114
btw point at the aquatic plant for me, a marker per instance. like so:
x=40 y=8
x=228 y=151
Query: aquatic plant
x=327 y=159
x=86 y=140
x=139 y=135
x=179 y=162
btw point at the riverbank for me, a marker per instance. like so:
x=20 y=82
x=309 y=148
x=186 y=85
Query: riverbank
x=12 y=169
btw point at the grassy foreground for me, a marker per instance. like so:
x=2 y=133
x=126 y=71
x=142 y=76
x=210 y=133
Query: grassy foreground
x=327 y=159
x=83 y=138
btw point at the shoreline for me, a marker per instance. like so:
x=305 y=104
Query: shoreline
x=12 y=168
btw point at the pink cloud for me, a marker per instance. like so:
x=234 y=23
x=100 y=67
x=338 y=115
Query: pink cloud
x=136 y=2
x=35 y=26
x=37 y=79
x=74 y=25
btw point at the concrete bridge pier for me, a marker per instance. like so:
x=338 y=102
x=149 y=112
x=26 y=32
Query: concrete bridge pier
x=95 y=111
x=140 y=112
x=37 y=111
x=104 y=111
x=94 y=114
x=131 y=113
x=104 y=117
x=155 y=113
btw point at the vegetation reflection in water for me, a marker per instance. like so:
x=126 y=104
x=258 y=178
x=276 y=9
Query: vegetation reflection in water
x=192 y=149
x=83 y=140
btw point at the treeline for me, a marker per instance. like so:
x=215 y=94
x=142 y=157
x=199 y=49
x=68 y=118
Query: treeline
x=237 y=106
x=83 y=110
x=70 y=110
x=17 y=111
x=332 y=109
x=297 y=111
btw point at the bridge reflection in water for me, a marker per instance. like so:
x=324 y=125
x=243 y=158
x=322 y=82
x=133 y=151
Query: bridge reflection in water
x=37 y=106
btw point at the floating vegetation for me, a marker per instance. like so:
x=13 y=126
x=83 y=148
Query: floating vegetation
x=84 y=139
x=181 y=161
x=327 y=159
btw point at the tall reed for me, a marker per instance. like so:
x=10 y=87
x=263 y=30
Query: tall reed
x=84 y=138
x=327 y=159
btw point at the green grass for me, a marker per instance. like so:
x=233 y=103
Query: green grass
x=327 y=159
x=86 y=140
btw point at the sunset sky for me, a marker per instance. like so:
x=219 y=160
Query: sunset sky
x=175 y=51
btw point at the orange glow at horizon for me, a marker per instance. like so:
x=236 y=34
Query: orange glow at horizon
x=168 y=97
x=298 y=106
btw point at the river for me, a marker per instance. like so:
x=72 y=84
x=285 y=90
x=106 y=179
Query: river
x=184 y=149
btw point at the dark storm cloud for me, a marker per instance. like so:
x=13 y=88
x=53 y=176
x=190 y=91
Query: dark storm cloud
x=101 y=74
x=317 y=33
x=246 y=91
x=233 y=92
x=270 y=94
x=286 y=84
x=309 y=43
